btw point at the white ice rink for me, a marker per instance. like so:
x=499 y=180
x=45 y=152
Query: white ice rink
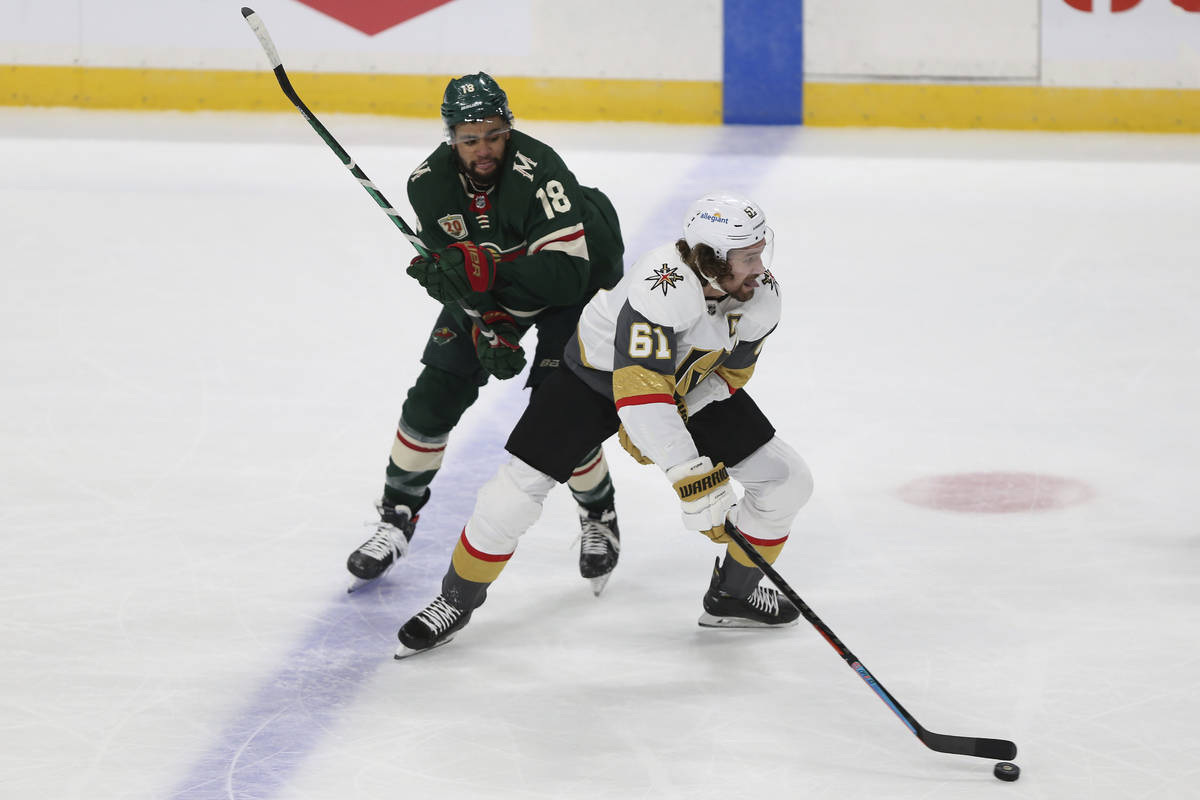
x=988 y=357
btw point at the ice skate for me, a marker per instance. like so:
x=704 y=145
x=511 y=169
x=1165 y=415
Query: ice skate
x=764 y=608
x=387 y=545
x=599 y=546
x=433 y=626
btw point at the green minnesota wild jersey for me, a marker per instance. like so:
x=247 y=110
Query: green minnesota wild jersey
x=556 y=242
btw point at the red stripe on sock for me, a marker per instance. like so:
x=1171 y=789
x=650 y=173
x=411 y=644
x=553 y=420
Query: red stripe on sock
x=764 y=542
x=589 y=468
x=417 y=447
x=482 y=556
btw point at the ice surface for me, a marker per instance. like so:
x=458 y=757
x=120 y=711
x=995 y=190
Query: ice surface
x=205 y=338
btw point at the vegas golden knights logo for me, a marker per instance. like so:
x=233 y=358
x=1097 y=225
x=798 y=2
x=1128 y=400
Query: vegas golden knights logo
x=697 y=365
x=665 y=277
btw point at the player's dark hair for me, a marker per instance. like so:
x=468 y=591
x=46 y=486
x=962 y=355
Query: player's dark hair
x=703 y=259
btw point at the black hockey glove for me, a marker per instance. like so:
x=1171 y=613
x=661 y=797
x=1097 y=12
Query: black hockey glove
x=501 y=355
x=452 y=273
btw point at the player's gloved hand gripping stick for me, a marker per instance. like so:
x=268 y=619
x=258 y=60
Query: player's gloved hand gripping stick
x=705 y=495
x=268 y=46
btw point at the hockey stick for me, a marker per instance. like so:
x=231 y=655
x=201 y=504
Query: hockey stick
x=1001 y=749
x=268 y=46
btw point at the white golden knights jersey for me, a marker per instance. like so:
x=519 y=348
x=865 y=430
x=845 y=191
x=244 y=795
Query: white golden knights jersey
x=655 y=343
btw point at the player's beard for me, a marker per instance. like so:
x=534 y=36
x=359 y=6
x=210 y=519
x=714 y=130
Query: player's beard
x=741 y=291
x=484 y=180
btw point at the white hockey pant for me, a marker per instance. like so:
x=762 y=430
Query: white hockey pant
x=775 y=480
x=507 y=506
x=776 y=483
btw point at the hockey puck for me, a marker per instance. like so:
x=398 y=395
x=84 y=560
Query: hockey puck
x=1006 y=771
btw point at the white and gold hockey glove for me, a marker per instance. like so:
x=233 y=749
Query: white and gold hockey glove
x=706 y=496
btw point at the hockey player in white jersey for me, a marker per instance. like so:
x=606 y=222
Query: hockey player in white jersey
x=662 y=359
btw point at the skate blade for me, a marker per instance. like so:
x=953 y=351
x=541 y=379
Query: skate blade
x=358 y=583
x=709 y=621
x=599 y=583
x=403 y=652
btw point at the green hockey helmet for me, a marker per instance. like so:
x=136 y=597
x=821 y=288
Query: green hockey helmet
x=473 y=98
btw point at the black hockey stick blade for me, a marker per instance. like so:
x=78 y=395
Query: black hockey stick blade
x=1000 y=749
x=997 y=749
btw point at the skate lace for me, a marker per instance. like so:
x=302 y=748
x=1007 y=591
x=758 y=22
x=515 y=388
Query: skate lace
x=439 y=615
x=765 y=600
x=387 y=540
x=595 y=537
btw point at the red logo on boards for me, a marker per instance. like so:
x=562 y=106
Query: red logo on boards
x=1117 y=5
x=1124 y=5
x=371 y=16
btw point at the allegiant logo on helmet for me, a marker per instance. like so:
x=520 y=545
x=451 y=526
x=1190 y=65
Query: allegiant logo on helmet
x=715 y=217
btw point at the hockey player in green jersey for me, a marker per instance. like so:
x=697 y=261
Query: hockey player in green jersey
x=516 y=242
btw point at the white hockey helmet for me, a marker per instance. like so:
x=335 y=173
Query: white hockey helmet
x=725 y=221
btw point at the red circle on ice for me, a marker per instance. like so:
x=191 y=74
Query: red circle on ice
x=995 y=492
